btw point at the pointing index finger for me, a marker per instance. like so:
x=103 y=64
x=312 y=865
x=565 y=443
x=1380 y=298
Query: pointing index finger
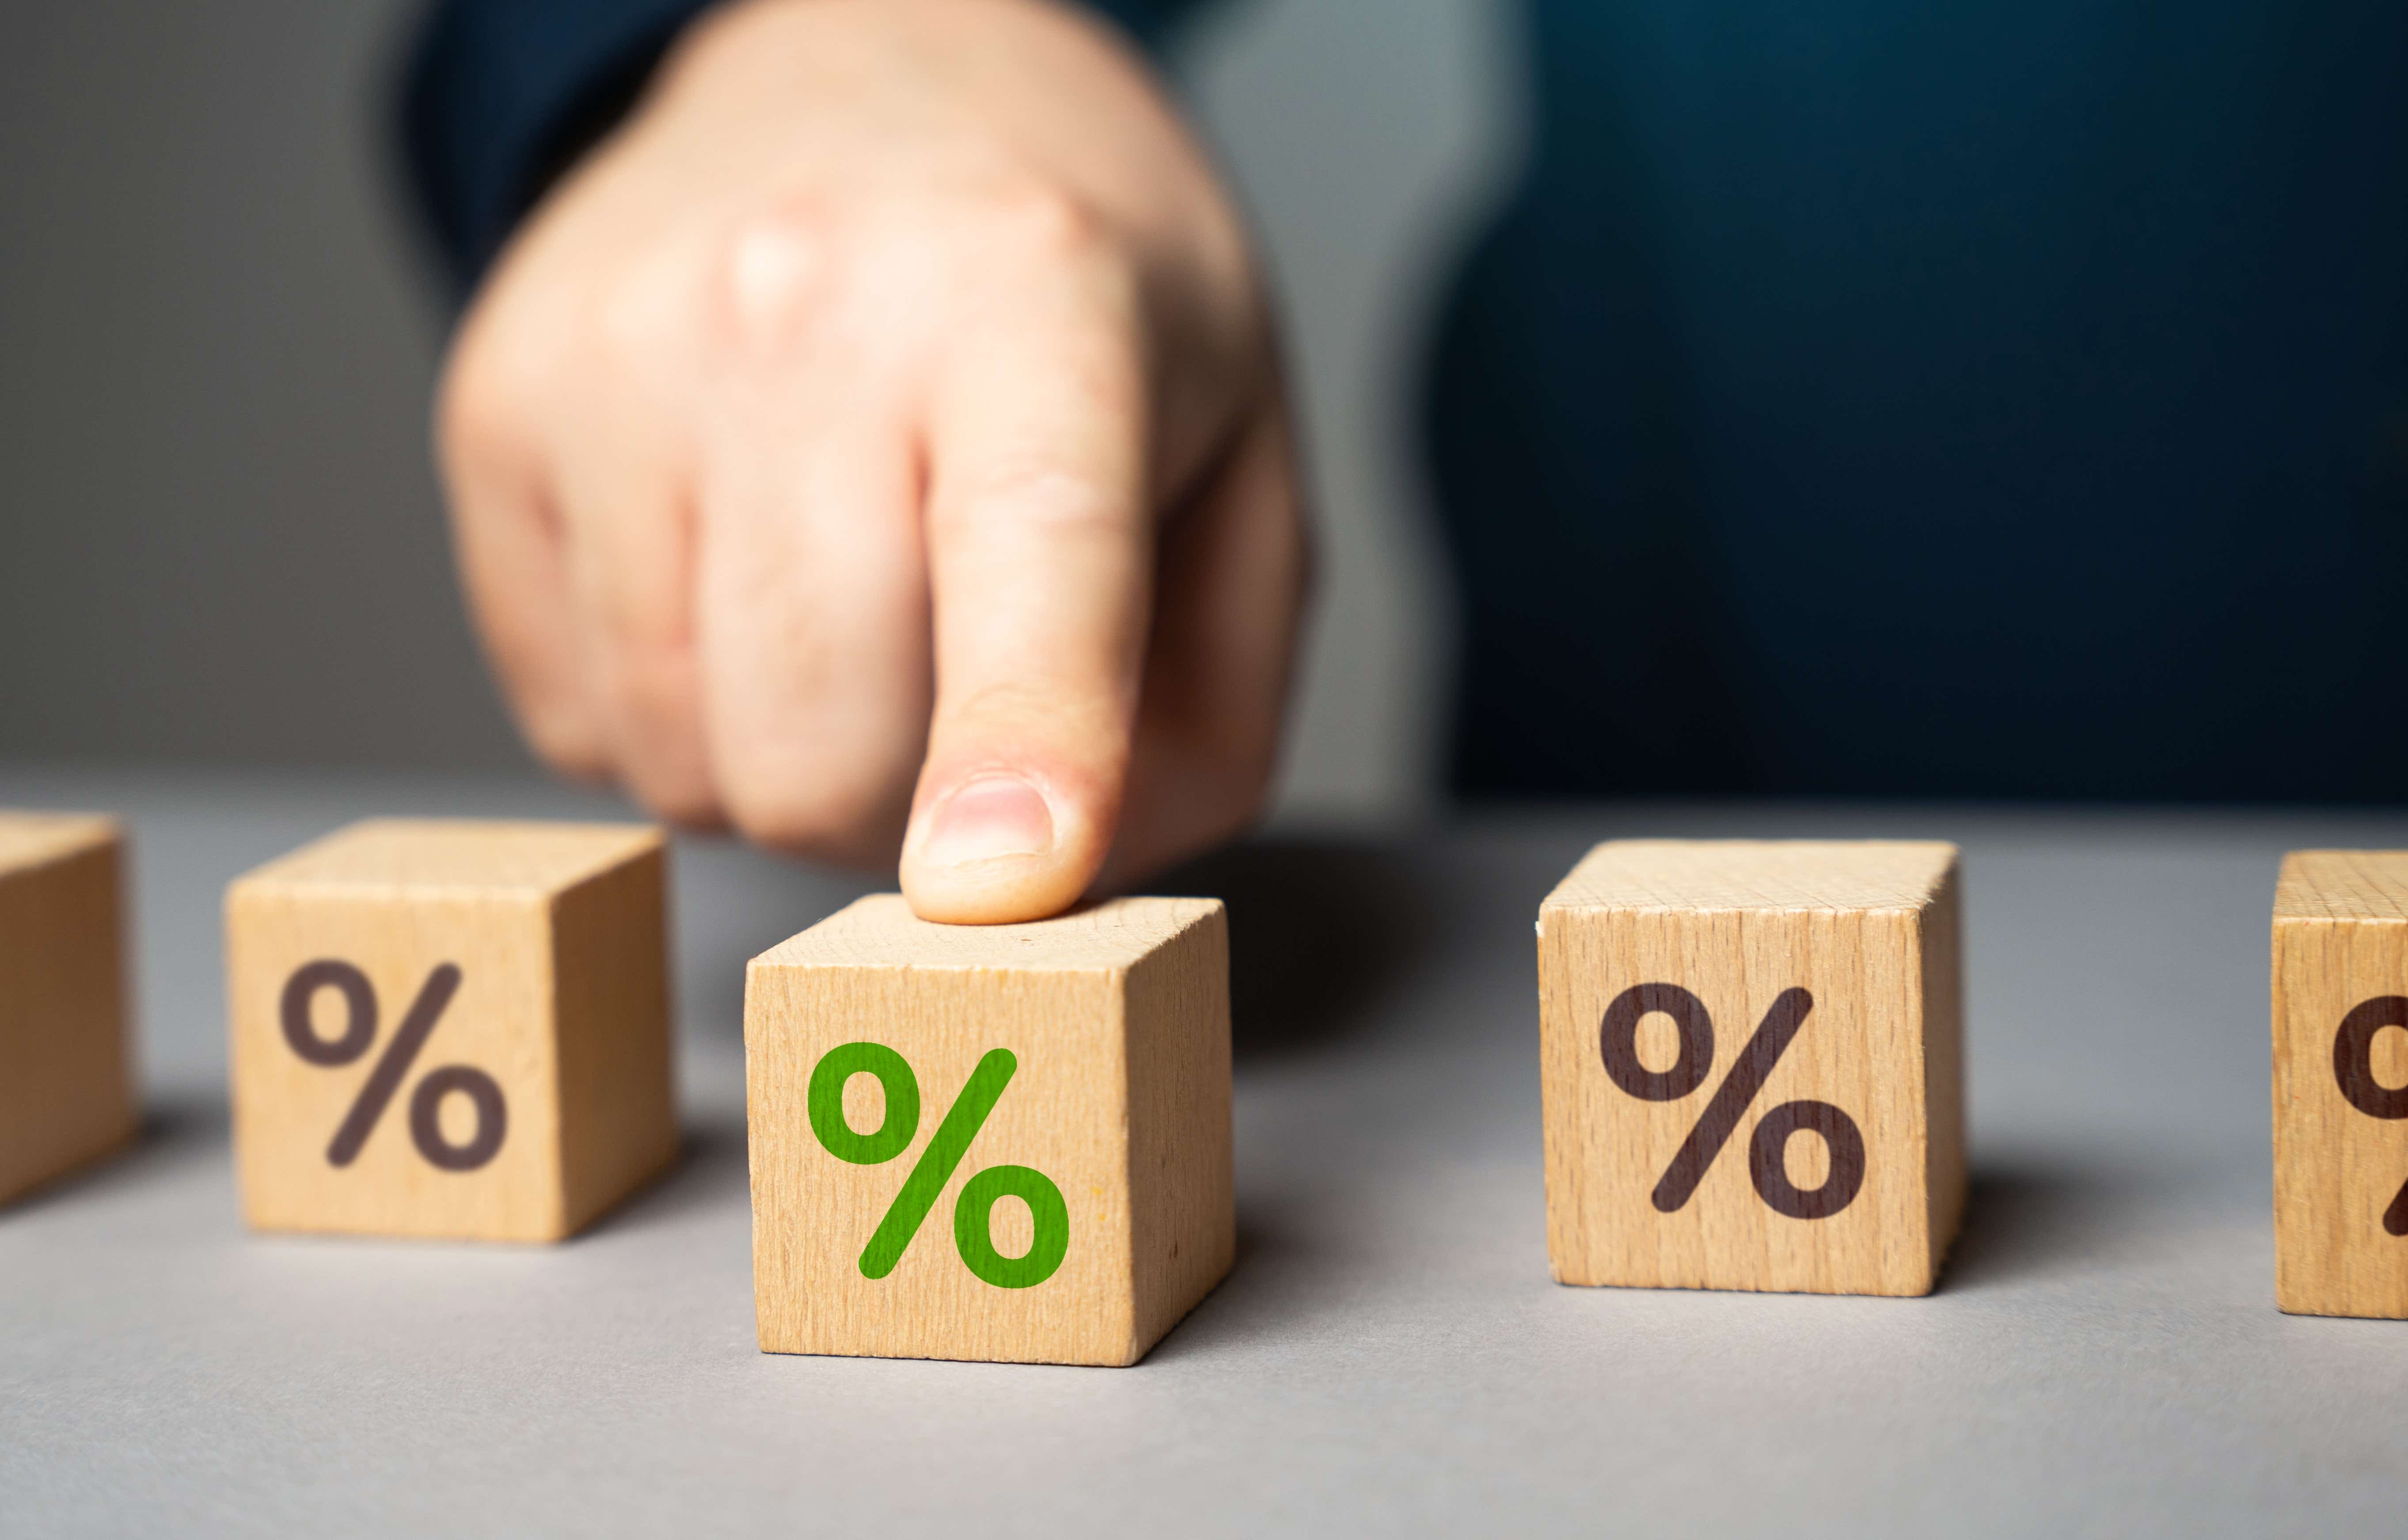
x=1040 y=561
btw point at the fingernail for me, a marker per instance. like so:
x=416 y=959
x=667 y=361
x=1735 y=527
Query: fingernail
x=987 y=820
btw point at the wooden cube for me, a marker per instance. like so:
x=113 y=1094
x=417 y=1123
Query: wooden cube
x=2341 y=1084
x=1005 y=1142
x=450 y=1029
x=66 y=1092
x=1751 y=1066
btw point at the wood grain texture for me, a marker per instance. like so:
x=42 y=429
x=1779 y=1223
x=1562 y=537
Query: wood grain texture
x=1869 y=930
x=1118 y=1018
x=66 y=1092
x=618 y=1085
x=2340 y=946
x=558 y=934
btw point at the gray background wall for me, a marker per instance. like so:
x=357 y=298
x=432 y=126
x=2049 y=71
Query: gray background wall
x=220 y=540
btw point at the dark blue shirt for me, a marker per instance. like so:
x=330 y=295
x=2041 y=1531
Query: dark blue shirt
x=1876 y=397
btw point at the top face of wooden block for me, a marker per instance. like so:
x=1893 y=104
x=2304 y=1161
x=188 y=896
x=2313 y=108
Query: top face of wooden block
x=37 y=839
x=426 y=856
x=1756 y=874
x=881 y=931
x=2343 y=885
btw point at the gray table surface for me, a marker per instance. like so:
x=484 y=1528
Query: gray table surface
x=1389 y=1355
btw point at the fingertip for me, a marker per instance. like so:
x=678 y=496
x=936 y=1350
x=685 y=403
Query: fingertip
x=998 y=848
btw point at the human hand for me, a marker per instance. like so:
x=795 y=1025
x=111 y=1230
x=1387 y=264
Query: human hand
x=880 y=441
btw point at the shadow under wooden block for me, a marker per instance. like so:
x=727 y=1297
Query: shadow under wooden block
x=66 y=1095
x=450 y=1029
x=1323 y=933
x=1007 y=1142
x=1751 y=1065
x=2341 y=1084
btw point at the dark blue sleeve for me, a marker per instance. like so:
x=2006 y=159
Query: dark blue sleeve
x=500 y=96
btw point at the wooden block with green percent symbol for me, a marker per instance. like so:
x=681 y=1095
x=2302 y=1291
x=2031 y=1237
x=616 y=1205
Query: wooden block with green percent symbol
x=2341 y=1084
x=1751 y=1066
x=1007 y=1142
x=66 y=1092
x=450 y=1029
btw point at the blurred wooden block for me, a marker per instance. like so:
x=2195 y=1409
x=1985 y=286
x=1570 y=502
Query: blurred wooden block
x=1702 y=1005
x=66 y=1092
x=450 y=1029
x=2341 y=1083
x=1003 y=1142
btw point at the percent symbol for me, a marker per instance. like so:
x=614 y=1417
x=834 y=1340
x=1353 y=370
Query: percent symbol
x=359 y=1035
x=1618 y=1039
x=974 y=1210
x=2354 y=1070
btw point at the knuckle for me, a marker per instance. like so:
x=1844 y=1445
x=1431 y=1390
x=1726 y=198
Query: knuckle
x=1039 y=497
x=769 y=271
x=676 y=789
x=1026 y=234
x=686 y=807
x=646 y=618
x=501 y=382
x=651 y=690
x=1020 y=704
x=648 y=701
x=651 y=696
x=565 y=737
x=480 y=403
x=810 y=810
x=1036 y=220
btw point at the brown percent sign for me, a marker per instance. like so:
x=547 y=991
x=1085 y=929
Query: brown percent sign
x=417 y=1025
x=1618 y=1039
x=2354 y=1070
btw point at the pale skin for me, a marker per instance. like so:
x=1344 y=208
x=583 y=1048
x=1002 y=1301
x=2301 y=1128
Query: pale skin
x=878 y=445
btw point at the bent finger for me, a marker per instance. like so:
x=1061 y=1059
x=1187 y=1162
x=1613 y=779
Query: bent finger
x=510 y=546
x=1229 y=603
x=814 y=630
x=632 y=571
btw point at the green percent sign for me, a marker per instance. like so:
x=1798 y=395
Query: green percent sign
x=974 y=1211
